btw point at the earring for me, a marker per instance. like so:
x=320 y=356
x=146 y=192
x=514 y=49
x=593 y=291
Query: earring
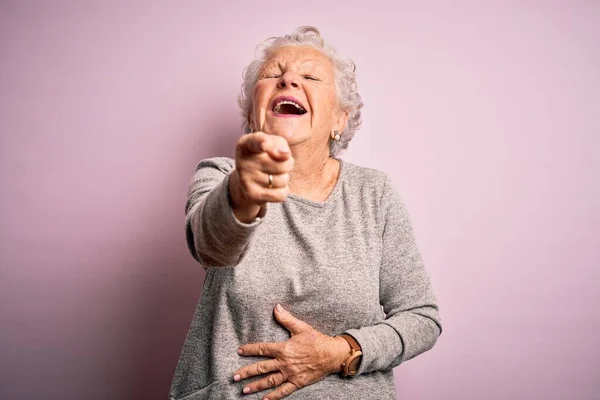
x=336 y=135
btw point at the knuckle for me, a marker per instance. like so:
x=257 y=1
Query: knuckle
x=263 y=159
x=271 y=381
x=261 y=369
x=286 y=348
x=296 y=383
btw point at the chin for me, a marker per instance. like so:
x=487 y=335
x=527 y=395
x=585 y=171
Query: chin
x=293 y=136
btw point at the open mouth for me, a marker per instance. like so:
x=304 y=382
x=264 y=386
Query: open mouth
x=283 y=106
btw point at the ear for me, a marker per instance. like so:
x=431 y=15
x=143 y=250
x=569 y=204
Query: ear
x=341 y=122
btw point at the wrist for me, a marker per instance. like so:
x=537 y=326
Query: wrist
x=243 y=209
x=341 y=349
x=351 y=363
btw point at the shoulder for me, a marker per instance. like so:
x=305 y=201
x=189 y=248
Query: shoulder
x=219 y=164
x=368 y=189
x=374 y=187
x=365 y=173
x=370 y=179
x=209 y=172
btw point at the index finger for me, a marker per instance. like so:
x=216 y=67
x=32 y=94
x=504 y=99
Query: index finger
x=254 y=142
x=263 y=349
x=275 y=146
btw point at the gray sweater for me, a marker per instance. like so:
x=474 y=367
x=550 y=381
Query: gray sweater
x=349 y=264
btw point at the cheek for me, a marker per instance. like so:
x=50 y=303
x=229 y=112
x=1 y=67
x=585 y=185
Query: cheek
x=327 y=95
x=327 y=103
x=258 y=102
x=256 y=95
x=331 y=98
x=261 y=93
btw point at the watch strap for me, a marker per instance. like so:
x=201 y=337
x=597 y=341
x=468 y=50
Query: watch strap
x=355 y=352
x=351 y=341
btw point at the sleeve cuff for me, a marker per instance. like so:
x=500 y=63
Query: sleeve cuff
x=226 y=213
x=227 y=200
x=380 y=344
x=222 y=239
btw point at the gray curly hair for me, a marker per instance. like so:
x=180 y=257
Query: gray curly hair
x=345 y=80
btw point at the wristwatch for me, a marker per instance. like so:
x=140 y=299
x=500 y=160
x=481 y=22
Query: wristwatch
x=352 y=360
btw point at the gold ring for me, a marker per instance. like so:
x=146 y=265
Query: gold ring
x=270 y=186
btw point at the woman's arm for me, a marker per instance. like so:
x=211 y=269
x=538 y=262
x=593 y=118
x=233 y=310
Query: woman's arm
x=412 y=323
x=215 y=237
x=225 y=204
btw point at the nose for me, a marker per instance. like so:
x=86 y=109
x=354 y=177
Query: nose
x=288 y=79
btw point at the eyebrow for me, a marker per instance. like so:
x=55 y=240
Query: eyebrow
x=302 y=63
x=311 y=63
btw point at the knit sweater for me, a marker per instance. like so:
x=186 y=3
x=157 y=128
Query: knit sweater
x=347 y=265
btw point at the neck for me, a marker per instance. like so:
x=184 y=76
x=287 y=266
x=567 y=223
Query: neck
x=314 y=173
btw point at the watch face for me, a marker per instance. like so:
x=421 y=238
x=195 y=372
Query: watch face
x=353 y=366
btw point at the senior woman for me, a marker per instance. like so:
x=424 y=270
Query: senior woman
x=314 y=286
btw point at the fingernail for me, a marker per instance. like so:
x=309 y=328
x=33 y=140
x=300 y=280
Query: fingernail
x=246 y=389
x=240 y=351
x=283 y=150
x=237 y=378
x=279 y=308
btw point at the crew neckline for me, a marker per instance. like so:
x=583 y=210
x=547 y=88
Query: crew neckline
x=332 y=195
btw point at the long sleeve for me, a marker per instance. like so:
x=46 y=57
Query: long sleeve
x=214 y=235
x=412 y=324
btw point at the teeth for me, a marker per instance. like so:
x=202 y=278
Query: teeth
x=279 y=104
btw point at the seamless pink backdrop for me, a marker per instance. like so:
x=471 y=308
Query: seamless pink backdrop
x=485 y=114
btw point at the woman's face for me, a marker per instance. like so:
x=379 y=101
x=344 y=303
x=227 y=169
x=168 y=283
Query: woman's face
x=295 y=97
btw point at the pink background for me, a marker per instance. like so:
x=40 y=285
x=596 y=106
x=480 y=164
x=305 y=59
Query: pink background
x=486 y=114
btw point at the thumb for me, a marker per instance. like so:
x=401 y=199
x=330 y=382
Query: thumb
x=291 y=323
x=277 y=148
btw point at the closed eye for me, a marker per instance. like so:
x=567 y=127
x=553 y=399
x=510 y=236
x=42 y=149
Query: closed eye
x=273 y=76
x=312 y=78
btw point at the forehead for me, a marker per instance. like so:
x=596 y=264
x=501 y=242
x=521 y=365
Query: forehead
x=299 y=56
